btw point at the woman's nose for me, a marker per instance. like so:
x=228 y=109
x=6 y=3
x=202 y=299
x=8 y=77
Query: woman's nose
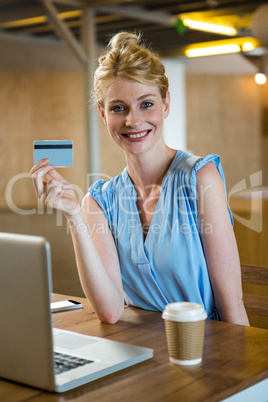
x=133 y=119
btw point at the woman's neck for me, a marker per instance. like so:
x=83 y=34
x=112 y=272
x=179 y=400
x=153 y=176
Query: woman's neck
x=148 y=169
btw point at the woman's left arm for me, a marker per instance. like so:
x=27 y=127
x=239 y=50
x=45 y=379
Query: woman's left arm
x=220 y=245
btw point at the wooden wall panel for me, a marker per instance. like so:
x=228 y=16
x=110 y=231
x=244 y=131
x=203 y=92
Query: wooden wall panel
x=264 y=132
x=37 y=106
x=223 y=117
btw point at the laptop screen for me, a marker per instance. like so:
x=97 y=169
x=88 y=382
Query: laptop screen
x=25 y=333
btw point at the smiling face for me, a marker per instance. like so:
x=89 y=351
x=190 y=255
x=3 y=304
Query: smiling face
x=134 y=113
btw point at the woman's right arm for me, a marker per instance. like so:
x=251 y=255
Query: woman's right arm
x=97 y=261
x=94 y=246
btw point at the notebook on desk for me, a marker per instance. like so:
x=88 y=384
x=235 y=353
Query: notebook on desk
x=29 y=345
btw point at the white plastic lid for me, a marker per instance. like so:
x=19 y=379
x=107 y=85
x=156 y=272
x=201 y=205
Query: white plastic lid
x=184 y=311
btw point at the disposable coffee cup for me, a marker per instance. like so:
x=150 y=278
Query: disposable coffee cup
x=185 y=328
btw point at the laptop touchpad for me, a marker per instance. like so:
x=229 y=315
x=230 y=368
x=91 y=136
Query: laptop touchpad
x=70 y=341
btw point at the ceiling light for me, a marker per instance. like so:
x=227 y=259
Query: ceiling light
x=260 y=78
x=248 y=46
x=23 y=22
x=212 y=50
x=224 y=46
x=38 y=20
x=203 y=26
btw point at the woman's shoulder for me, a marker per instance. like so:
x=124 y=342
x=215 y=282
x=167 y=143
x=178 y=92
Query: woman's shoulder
x=186 y=161
x=190 y=163
x=191 y=170
x=104 y=193
x=207 y=173
x=105 y=187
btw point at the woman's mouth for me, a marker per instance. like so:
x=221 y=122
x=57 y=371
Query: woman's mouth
x=140 y=134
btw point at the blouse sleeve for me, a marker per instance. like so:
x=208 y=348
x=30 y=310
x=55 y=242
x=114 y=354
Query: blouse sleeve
x=192 y=178
x=99 y=193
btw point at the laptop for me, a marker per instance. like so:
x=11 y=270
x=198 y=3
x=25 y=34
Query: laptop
x=34 y=353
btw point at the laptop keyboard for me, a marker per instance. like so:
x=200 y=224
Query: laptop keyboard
x=66 y=362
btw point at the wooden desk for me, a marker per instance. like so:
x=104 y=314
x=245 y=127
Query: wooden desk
x=235 y=358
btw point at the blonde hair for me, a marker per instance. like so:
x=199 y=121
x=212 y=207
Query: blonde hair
x=128 y=57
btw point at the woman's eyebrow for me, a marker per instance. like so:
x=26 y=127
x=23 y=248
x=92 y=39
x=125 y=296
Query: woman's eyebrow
x=116 y=101
x=146 y=96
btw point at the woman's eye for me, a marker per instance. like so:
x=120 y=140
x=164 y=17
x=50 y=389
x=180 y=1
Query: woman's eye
x=147 y=104
x=118 y=108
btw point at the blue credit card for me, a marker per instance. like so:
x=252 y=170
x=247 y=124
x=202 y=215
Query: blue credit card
x=60 y=153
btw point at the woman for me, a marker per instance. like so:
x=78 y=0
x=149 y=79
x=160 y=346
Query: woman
x=161 y=231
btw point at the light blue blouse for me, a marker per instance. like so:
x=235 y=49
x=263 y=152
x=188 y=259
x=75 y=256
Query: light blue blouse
x=169 y=265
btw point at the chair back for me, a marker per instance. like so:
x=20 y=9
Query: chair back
x=255 y=275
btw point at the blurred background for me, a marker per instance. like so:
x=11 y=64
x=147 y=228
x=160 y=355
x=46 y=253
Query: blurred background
x=214 y=51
